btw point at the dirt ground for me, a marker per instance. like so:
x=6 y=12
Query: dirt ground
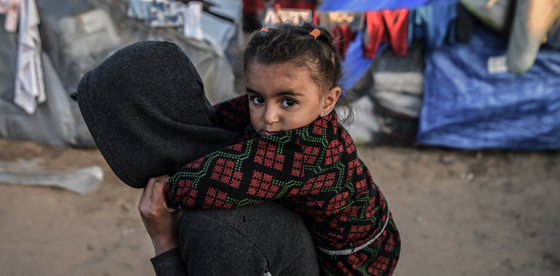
x=476 y=213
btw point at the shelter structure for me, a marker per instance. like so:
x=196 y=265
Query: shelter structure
x=72 y=37
x=471 y=74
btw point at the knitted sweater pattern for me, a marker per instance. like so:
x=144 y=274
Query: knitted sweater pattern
x=314 y=170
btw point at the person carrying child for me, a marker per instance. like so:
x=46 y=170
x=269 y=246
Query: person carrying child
x=146 y=110
x=295 y=152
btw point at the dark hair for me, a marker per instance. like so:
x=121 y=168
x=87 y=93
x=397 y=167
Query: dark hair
x=74 y=96
x=290 y=43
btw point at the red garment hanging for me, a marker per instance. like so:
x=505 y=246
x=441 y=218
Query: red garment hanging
x=386 y=26
x=343 y=35
x=253 y=6
x=297 y=4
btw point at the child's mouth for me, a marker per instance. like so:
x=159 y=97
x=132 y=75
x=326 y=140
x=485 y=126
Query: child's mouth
x=268 y=133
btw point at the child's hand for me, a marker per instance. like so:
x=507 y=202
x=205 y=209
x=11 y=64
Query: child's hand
x=162 y=223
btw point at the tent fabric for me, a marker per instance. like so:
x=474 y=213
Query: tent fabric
x=52 y=123
x=525 y=22
x=354 y=64
x=396 y=94
x=78 y=35
x=467 y=107
x=8 y=62
x=365 y=5
x=433 y=23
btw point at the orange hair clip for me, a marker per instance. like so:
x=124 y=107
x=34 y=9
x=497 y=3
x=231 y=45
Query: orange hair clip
x=315 y=33
x=264 y=30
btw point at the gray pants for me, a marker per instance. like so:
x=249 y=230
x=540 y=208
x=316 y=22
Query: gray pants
x=250 y=240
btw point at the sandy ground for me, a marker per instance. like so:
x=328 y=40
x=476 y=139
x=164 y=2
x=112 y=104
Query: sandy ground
x=488 y=213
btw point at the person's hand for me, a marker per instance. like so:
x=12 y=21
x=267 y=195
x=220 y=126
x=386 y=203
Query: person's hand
x=162 y=223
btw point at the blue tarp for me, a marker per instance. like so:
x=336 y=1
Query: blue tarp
x=467 y=107
x=373 y=5
x=355 y=64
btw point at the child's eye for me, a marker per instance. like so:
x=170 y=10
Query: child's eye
x=288 y=102
x=257 y=100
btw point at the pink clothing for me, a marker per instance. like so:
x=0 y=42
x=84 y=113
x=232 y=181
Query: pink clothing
x=11 y=9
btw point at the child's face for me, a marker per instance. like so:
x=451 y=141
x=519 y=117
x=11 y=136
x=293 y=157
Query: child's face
x=283 y=97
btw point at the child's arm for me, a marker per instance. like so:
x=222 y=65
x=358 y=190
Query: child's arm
x=302 y=162
x=234 y=114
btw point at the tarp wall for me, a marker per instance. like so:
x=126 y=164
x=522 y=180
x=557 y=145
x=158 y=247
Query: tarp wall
x=77 y=36
x=467 y=106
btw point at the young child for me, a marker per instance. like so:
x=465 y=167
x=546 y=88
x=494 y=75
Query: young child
x=147 y=112
x=297 y=153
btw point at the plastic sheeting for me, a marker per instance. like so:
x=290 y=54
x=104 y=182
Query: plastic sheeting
x=467 y=107
x=53 y=121
x=394 y=86
x=28 y=173
x=77 y=36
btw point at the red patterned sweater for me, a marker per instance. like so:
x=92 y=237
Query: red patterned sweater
x=314 y=170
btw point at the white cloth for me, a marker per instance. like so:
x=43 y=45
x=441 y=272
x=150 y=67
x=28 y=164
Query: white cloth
x=11 y=9
x=30 y=89
x=290 y=16
x=192 y=15
x=219 y=32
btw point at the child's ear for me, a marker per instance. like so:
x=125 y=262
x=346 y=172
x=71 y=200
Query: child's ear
x=329 y=101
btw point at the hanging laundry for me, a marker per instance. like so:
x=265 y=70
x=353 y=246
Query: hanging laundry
x=329 y=20
x=253 y=11
x=30 y=89
x=253 y=6
x=465 y=24
x=139 y=9
x=297 y=4
x=192 y=14
x=224 y=10
x=11 y=9
x=385 y=26
x=343 y=35
x=86 y=35
x=434 y=23
x=276 y=15
x=166 y=14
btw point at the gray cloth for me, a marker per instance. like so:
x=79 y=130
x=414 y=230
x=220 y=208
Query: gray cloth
x=250 y=240
x=53 y=122
x=532 y=20
x=147 y=112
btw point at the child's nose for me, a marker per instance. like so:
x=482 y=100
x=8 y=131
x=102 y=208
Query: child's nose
x=270 y=115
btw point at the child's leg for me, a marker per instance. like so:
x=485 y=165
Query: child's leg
x=378 y=258
x=249 y=240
